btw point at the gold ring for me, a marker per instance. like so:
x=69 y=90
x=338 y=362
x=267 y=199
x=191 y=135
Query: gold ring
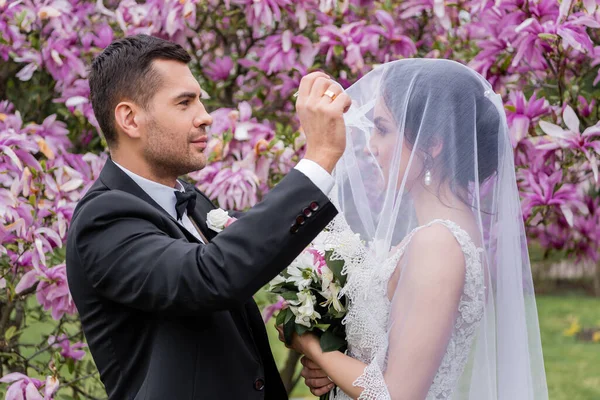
x=330 y=94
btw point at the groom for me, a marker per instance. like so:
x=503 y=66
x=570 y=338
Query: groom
x=166 y=305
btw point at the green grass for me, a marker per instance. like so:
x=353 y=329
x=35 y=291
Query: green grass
x=572 y=366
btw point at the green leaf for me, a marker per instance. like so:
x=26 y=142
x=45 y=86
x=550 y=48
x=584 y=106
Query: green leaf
x=71 y=365
x=301 y=329
x=331 y=342
x=280 y=320
x=288 y=316
x=336 y=267
x=10 y=333
x=289 y=296
x=288 y=332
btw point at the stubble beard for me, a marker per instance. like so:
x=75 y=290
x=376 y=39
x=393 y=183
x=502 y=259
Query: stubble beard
x=168 y=159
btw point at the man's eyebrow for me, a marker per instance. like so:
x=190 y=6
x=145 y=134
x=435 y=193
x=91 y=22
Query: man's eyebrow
x=186 y=95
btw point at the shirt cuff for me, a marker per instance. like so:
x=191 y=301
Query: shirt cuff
x=317 y=174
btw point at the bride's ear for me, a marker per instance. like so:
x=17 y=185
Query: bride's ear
x=436 y=148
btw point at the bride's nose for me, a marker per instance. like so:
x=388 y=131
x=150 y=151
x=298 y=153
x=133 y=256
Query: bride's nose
x=371 y=148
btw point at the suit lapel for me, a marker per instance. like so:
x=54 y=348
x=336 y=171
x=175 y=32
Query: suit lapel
x=115 y=179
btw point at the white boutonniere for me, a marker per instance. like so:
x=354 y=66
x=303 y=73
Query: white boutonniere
x=218 y=219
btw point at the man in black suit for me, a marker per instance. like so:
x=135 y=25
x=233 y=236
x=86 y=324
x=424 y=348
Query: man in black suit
x=165 y=303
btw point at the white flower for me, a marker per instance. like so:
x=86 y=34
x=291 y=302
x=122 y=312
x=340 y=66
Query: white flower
x=302 y=278
x=305 y=313
x=216 y=219
x=326 y=277
x=331 y=294
x=278 y=280
x=323 y=242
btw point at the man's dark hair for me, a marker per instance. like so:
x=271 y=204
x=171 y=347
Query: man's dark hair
x=123 y=71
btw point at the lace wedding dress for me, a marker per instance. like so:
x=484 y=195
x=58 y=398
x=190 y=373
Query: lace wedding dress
x=369 y=310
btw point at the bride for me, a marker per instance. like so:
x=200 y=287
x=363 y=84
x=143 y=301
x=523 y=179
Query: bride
x=441 y=300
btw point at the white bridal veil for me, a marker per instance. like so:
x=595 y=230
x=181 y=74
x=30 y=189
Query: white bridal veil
x=442 y=299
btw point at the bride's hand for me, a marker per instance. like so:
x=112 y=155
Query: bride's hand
x=305 y=344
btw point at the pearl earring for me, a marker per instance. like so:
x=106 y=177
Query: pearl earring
x=427 y=178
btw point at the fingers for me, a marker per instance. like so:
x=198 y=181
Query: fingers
x=333 y=88
x=310 y=364
x=317 y=383
x=314 y=374
x=308 y=373
x=343 y=102
x=307 y=82
x=318 y=88
x=321 y=391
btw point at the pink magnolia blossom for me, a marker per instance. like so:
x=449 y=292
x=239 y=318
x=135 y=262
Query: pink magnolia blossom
x=62 y=60
x=219 y=69
x=354 y=38
x=531 y=44
x=584 y=107
x=522 y=114
x=263 y=12
x=286 y=52
x=573 y=138
x=574 y=33
x=548 y=190
x=67 y=349
x=52 y=291
x=398 y=43
x=234 y=188
x=23 y=387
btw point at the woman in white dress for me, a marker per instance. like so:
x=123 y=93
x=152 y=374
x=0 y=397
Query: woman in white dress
x=441 y=300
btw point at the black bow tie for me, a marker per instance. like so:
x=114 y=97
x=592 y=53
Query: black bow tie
x=185 y=201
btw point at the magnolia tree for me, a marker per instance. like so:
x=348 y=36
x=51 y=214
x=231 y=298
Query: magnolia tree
x=249 y=57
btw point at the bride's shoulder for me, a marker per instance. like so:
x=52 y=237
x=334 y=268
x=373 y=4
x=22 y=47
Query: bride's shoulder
x=436 y=245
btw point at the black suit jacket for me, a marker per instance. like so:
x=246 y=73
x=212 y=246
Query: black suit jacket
x=167 y=317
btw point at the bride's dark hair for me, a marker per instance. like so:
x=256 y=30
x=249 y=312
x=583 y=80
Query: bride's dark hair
x=445 y=96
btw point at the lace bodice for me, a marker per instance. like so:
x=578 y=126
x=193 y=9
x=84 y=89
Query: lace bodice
x=369 y=310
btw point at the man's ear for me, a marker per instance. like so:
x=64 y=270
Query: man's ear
x=128 y=117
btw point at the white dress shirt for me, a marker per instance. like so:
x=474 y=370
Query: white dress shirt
x=164 y=195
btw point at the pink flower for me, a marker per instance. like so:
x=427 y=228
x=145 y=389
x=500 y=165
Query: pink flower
x=574 y=33
x=522 y=114
x=68 y=350
x=318 y=259
x=584 y=107
x=23 y=387
x=234 y=188
x=273 y=308
x=285 y=52
x=572 y=138
x=263 y=12
x=219 y=68
x=398 y=43
x=542 y=189
x=531 y=44
x=52 y=291
x=62 y=60
x=355 y=40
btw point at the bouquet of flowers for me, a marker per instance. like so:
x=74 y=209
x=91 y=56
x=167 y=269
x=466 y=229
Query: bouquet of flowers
x=311 y=288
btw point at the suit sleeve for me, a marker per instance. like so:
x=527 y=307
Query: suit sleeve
x=129 y=260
